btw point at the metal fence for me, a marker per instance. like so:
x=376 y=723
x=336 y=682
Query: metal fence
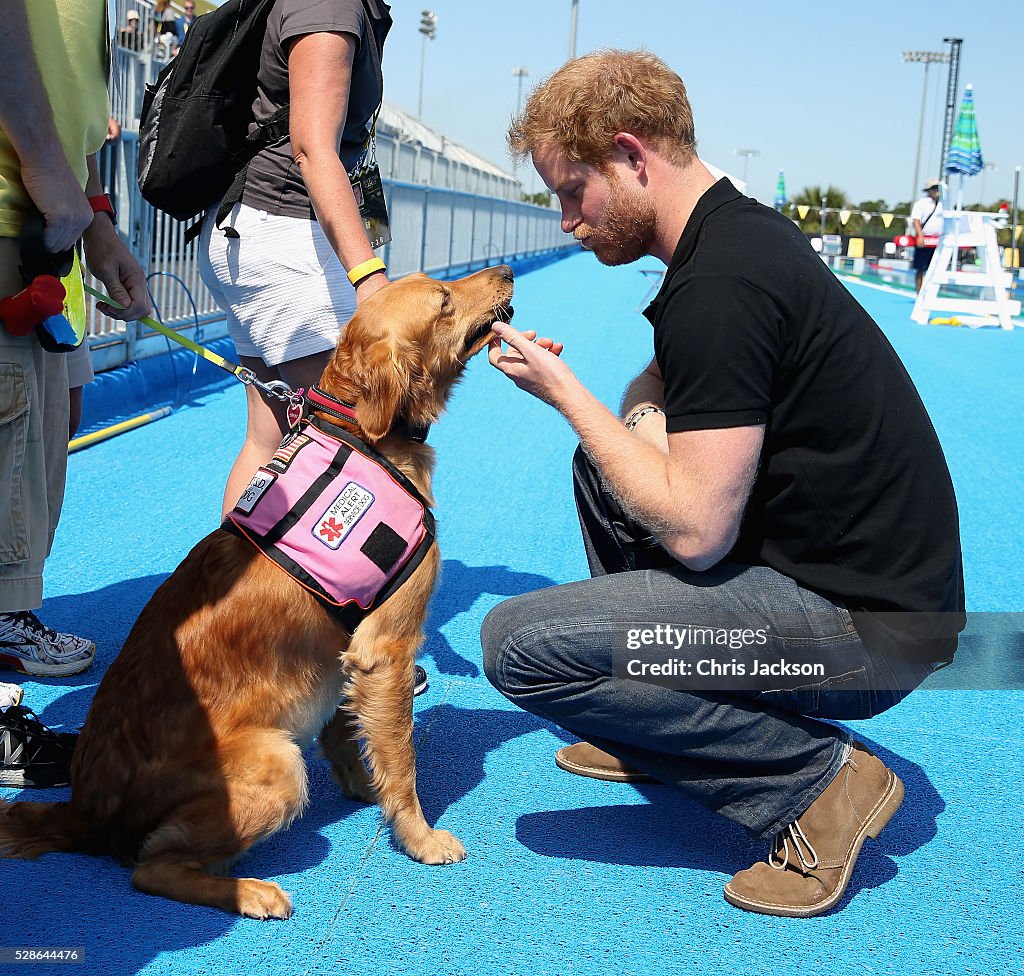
x=440 y=230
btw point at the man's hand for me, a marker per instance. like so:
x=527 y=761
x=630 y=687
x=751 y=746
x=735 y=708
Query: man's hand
x=109 y=260
x=531 y=363
x=55 y=191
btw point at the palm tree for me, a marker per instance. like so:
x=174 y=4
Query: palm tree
x=811 y=196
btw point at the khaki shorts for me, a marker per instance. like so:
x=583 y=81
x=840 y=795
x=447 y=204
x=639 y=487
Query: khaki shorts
x=80 y=371
x=33 y=452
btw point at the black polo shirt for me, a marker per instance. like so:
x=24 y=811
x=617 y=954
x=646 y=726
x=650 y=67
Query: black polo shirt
x=853 y=498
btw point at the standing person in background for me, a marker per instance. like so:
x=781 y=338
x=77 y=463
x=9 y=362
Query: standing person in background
x=187 y=20
x=926 y=228
x=281 y=275
x=167 y=22
x=130 y=36
x=53 y=119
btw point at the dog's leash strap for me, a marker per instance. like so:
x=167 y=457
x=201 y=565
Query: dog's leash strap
x=275 y=388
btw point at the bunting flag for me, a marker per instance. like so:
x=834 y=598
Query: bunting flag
x=803 y=209
x=887 y=219
x=844 y=216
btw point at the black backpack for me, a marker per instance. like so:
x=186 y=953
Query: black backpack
x=193 y=133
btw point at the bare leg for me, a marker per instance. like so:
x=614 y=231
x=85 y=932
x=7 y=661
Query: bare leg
x=267 y=419
x=75 y=417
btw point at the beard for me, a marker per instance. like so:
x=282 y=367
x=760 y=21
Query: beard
x=627 y=227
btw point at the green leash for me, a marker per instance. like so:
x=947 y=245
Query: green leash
x=277 y=389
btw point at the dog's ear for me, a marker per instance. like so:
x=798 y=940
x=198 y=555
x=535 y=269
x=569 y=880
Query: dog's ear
x=383 y=384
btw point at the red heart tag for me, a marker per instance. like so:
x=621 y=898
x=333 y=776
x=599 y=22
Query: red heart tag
x=294 y=412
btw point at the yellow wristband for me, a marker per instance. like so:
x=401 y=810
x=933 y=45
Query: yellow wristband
x=364 y=270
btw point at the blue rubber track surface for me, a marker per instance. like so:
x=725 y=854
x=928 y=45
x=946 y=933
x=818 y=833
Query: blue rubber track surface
x=564 y=875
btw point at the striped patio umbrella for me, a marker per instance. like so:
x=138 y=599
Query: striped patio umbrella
x=964 y=155
x=780 y=191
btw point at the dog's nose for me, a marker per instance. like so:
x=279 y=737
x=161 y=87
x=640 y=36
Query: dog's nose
x=507 y=273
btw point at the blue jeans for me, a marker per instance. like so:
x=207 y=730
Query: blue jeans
x=755 y=751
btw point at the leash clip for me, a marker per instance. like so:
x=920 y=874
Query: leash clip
x=275 y=389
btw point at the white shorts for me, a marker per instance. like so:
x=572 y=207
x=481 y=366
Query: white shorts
x=285 y=293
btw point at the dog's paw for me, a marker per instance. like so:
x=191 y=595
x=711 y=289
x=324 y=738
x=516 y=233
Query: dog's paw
x=437 y=847
x=354 y=780
x=262 y=899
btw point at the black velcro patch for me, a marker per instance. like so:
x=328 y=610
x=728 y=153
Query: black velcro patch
x=383 y=547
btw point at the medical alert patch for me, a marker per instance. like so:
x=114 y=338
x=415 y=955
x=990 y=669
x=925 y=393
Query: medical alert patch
x=347 y=509
x=261 y=481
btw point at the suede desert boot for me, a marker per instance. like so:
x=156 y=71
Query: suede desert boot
x=583 y=759
x=811 y=860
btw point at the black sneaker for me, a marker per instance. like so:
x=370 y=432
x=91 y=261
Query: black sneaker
x=419 y=683
x=30 y=753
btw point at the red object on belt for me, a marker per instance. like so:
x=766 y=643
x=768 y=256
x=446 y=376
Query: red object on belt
x=22 y=312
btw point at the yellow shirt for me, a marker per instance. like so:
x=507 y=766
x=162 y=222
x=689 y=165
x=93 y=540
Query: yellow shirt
x=68 y=38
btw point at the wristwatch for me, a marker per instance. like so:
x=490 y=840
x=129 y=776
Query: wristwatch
x=101 y=204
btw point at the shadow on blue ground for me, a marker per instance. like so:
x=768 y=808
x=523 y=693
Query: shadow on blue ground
x=672 y=831
x=460 y=587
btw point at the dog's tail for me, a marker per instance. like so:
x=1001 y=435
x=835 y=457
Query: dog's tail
x=30 y=829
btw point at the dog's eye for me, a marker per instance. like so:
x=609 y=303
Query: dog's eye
x=446 y=299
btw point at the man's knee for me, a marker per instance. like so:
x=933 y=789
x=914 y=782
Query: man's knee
x=496 y=636
x=512 y=637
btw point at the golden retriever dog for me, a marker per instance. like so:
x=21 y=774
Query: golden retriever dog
x=192 y=749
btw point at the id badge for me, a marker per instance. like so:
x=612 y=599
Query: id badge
x=369 y=193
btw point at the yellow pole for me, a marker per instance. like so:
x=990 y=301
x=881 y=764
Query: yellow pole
x=87 y=440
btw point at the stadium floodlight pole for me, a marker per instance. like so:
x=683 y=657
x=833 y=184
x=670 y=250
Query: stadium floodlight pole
x=573 y=17
x=520 y=72
x=926 y=58
x=428 y=28
x=746 y=154
x=951 y=93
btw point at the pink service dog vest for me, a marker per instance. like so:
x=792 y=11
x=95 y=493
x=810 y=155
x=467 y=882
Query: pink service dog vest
x=338 y=517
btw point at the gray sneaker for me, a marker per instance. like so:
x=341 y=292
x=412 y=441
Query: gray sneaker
x=28 y=646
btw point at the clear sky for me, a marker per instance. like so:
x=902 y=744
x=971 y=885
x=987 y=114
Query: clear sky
x=817 y=87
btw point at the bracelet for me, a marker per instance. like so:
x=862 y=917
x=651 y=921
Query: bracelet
x=101 y=204
x=638 y=413
x=364 y=270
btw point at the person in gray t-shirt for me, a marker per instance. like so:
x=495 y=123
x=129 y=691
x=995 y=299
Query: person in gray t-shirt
x=282 y=274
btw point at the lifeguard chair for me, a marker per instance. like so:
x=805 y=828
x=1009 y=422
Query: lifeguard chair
x=967 y=229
